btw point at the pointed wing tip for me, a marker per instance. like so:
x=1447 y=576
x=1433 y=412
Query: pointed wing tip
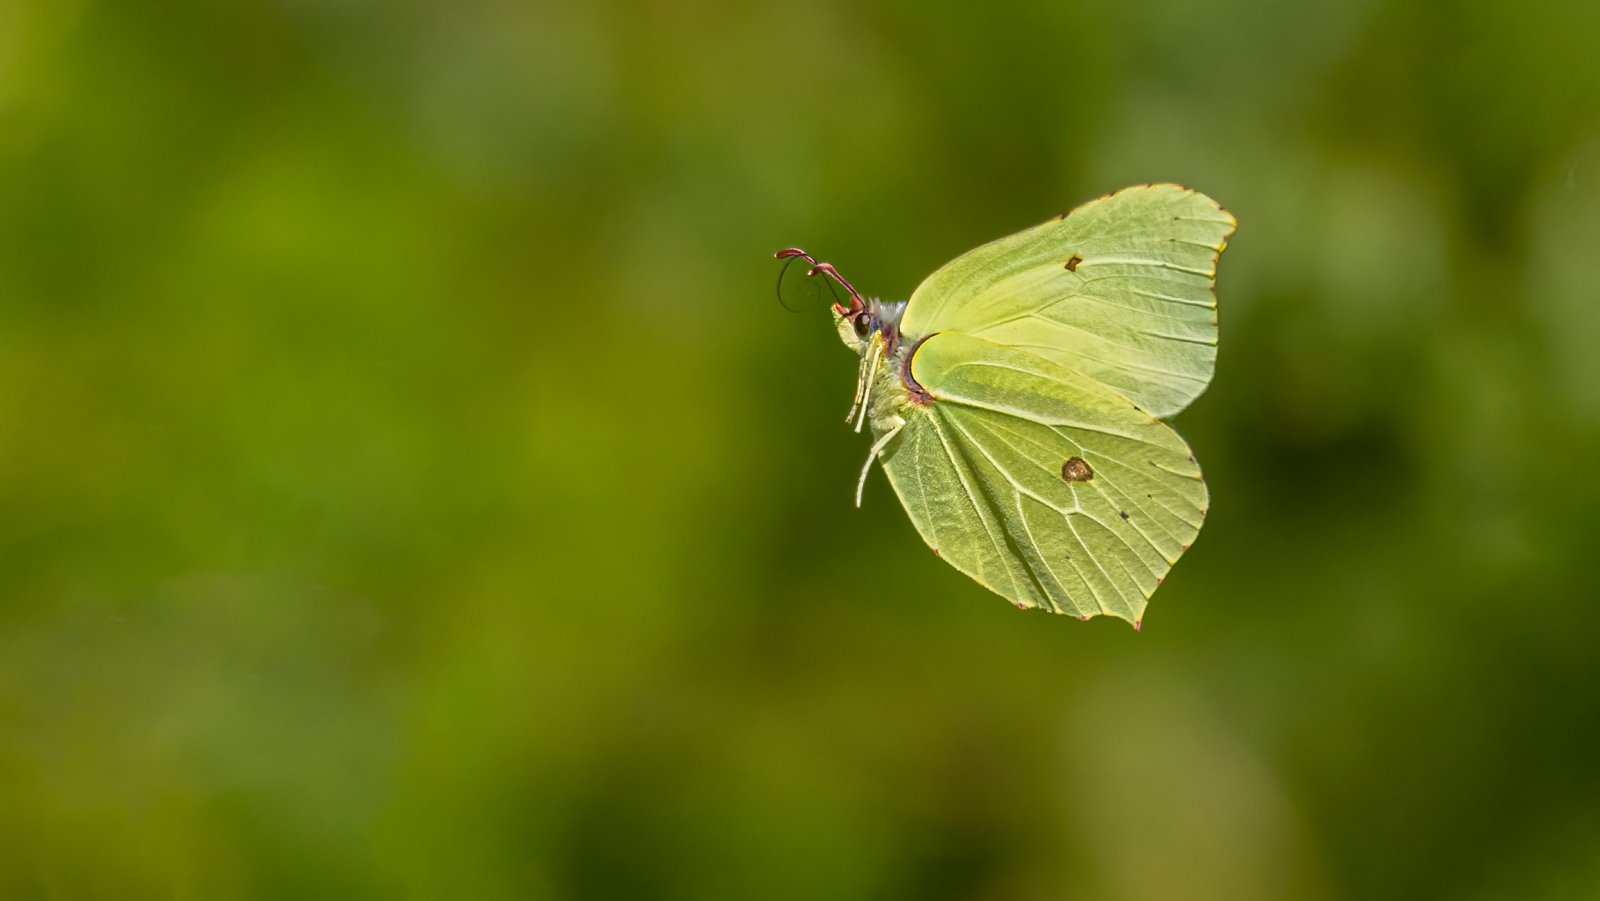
x=1227 y=218
x=1026 y=606
x=1134 y=616
x=1136 y=622
x=1136 y=619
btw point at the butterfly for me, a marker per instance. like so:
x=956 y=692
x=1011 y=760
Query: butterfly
x=1016 y=399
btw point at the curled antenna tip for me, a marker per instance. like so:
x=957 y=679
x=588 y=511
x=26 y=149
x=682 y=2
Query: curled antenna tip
x=857 y=302
x=778 y=288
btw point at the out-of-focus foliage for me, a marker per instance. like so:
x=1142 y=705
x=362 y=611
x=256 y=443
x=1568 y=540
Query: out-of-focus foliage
x=410 y=487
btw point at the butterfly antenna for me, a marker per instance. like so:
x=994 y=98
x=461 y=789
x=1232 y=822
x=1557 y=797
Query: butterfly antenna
x=778 y=288
x=856 y=302
x=833 y=289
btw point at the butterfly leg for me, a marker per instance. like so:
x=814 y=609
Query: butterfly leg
x=869 y=372
x=877 y=447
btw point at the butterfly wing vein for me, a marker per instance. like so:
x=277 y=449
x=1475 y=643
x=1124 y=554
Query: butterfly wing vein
x=980 y=471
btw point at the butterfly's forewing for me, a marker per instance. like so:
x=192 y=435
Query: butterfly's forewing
x=1041 y=483
x=1120 y=289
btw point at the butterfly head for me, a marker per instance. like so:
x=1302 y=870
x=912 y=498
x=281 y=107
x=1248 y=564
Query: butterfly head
x=858 y=326
x=859 y=320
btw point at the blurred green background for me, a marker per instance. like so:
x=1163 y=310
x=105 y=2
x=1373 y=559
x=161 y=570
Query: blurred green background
x=409 y=486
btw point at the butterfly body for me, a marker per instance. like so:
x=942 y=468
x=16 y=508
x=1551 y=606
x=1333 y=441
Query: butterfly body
x=1014 y=399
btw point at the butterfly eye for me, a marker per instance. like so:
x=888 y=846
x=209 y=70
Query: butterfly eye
x=863 y=324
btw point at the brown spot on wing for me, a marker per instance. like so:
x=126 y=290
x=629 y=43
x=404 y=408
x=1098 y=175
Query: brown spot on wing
x=1072 y=263
x=1076 y=470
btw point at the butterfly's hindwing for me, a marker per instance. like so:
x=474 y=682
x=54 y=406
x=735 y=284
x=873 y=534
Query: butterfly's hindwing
x=1040 y=483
